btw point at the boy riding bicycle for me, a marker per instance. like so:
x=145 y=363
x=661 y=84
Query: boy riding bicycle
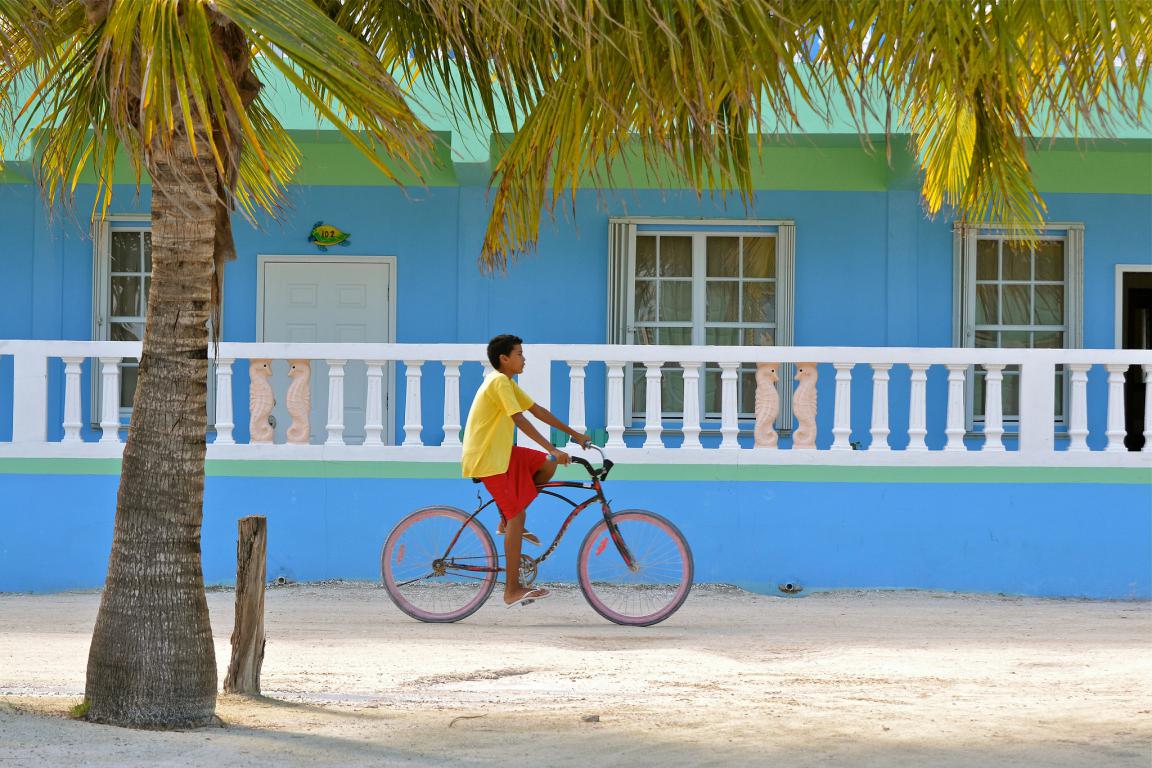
x=510 y=473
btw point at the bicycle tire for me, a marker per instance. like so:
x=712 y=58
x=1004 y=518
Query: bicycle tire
x=648 y=595
x=409 y=551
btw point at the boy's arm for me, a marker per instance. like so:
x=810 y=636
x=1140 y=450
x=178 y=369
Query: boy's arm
x=526 y=427
x=550 y=419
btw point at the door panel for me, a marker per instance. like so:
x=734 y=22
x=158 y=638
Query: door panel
x=326 y=301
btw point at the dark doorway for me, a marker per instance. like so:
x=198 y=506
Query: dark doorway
x=1136 y=329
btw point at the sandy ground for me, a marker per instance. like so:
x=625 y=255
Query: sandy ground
x=835 y=679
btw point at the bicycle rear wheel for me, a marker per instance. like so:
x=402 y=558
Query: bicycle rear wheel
x=424 y=579
x=651 y=591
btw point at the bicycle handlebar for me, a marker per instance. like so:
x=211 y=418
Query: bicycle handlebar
x=606 y=463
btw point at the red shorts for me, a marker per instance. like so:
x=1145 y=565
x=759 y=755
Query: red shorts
x=514 y=490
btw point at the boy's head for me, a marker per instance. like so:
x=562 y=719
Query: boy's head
x=502 y=345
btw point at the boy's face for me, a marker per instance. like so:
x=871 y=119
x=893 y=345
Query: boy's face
x=513 y=364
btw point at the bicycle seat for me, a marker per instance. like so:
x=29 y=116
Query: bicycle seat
x=477 y=480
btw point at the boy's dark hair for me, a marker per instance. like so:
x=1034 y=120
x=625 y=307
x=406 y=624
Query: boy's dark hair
x=501 y=345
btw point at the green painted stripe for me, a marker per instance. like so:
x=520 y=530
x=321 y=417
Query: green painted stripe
x=418 y=470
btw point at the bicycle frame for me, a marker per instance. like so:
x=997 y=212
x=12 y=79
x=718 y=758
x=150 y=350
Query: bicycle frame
x=597 y=495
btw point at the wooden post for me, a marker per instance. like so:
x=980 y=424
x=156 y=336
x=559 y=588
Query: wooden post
x=248 y=633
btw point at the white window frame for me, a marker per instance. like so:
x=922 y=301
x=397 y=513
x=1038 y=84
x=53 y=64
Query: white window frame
x=101 y=298
x=964 y=244
x=622 y=234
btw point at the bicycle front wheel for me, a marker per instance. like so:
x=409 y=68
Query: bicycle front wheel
x=654 y=587
x=424 y=578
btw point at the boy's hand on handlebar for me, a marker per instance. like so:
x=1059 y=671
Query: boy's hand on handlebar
x=560 y=456
x=584 y=441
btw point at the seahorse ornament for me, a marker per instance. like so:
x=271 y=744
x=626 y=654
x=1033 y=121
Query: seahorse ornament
x=767 y=405
x=261 y=401
x=804 y=406
x=298 y=400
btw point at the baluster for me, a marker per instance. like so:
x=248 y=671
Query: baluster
x=954 y=428
x=767 y=406
x=452 y=403
x=917 y=407
x=615 y=404
x=72 y=415
x=804 y=406
x=110 y=399
x=1115 y=429
x=653 y=406
x=1078 y=408
x=729 y=426
x=880 y=407
x=993 y=407
x=335 y=425
x=1147 y=409
x=224 y=423
x=842 y=408
x=576 y=417
x=261 y=401
x=412 y=404
x=691 y=405
x=298 y=401
x=374 y=408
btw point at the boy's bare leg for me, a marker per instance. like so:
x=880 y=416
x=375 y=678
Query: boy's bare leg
x=544 y=474
x=513 y=532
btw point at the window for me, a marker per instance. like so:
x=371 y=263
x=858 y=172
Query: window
x=1022 y=295
x=123 y=278
x=701 y=283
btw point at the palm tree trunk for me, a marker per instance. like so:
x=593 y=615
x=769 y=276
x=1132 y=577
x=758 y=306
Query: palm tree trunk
x=152 y=663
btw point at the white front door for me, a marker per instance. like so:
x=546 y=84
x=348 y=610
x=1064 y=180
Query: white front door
x=327 y=300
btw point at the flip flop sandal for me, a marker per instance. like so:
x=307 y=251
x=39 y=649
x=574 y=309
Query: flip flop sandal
x=528 y=536
x=536 y=594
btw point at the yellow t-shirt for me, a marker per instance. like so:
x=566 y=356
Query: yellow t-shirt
x=488 y=433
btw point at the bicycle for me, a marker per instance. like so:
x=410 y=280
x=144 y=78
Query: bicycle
x=439 y=564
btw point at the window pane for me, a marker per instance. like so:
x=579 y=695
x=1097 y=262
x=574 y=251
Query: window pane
x=125 y=251
x=676 y=257
x=1050 y=260
x=987 y=339
x=987 y=252
x=1049 y=305
x=759 y=257
x=712 y=393
x=759 y=302
x=1014 y=339
x=144 y=301
x=1017 y=261
x=978 y=393
x=1048 y=340
x=675 y=300
x=723 y=257
x=722 y=336
x=1058 y=410
x=986 y=301
x=1011 y=393
x=672 y=389
x=127 y=332
x=1015 y=310
x=147 y=251
x=127 y=385
x=639 y=389
x=645 y=300
x=759 y=337
x=678 y=336
x=126 y=297
x=645 y=256
x=747 y=384
x=645 y=335
x=723 y=302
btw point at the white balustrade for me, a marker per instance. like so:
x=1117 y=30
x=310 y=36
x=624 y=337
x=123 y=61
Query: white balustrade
x=691 y=404
x=653 y=407
x=880 y=429
x=1078 y=408
x=335 y=425
x=110 y=399
x=1115 y=424
x=452 y=403
x=994 y=407
x=954 y=428
x=413 y=425
x=842 y=408
x=729 y=428
x=576 y=417
x=224 y=425
x=918 y=407
x=615 y=420
x=32 y=393
x=374 y=407
x=72 y=416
